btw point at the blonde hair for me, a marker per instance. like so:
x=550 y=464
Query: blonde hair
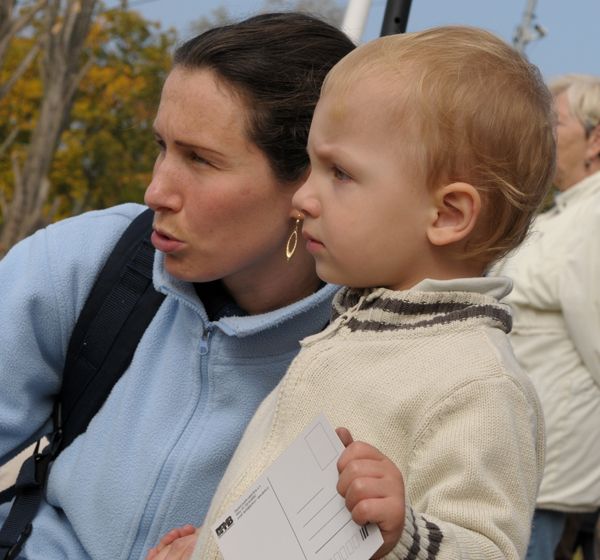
x=583 y=97
x=477 y=111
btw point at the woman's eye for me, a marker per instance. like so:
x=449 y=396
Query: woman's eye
x=160 y=143
x=198 y=159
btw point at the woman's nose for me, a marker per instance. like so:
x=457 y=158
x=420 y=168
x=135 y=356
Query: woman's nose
x=163 y=192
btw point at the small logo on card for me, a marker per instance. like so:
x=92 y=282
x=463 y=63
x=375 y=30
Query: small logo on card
x=220 y=530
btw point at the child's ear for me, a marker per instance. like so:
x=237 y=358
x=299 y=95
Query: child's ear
x=457 y=208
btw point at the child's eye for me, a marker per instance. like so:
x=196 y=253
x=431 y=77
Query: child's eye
x=160 y=143
x=340 y=175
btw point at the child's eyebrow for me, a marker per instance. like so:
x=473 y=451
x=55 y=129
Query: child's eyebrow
x=322 y=151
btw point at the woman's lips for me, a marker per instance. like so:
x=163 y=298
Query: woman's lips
x=164 y=242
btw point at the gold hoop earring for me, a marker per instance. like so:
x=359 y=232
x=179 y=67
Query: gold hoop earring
x=292 y=242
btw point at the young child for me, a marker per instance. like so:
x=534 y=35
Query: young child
x=429 y=152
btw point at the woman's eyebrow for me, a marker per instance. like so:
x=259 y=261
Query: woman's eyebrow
x=189 y=145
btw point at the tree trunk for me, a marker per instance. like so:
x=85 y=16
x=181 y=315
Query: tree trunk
x=67 y=25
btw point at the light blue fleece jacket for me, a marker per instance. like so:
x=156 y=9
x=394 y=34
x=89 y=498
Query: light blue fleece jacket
x=154 y=454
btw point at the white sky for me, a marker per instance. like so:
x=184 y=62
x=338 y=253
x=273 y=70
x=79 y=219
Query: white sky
x=571 y=45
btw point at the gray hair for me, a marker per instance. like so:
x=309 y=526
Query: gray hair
x=583 y=96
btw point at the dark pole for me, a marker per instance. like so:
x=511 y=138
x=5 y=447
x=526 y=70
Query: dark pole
x=395 y=17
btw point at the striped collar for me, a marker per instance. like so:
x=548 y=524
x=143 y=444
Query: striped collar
x=426 y=305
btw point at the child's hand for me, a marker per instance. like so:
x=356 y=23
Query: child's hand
x=177 y=544
x=373 y=488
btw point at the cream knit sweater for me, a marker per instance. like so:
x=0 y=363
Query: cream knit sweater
x=429 y=378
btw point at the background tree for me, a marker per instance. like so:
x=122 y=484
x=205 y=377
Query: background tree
x=56 y=32
x=107 y=152
x=79 y=91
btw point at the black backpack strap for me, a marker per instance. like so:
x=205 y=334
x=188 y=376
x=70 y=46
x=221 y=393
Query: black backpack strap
x=28 y=491
x=116 y=314
x=118 y=310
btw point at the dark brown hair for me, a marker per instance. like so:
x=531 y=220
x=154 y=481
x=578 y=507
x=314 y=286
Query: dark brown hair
x=277 y=63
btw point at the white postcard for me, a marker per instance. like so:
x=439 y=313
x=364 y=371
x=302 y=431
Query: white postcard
x=293 y=510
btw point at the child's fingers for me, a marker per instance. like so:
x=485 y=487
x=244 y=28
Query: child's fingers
x=344 y=435
x=373 y=489
x=167 y=539
x=187 y=530
x=172 y=536
x=180 y=549
x=357 y=472
x=358 y=450
x=387 y=512
x=365 y=489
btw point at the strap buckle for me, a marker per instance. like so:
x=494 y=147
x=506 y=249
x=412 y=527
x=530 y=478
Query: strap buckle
x=43 y=458
x=13 y=551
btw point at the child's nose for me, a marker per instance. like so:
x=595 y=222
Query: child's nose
x=305 y=199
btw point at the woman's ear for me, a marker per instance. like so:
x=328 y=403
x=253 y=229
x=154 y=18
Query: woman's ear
x=457 y=207
x=593 y=143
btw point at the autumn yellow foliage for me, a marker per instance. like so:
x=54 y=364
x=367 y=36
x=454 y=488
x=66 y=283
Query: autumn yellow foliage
x=107 y=149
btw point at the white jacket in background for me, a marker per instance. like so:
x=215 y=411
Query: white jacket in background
x=556 y=338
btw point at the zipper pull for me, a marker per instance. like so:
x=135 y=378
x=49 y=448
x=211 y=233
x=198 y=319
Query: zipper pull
x=203 y=348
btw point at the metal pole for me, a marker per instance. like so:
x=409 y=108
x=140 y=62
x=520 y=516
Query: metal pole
x=395 y=18
x=355 y=18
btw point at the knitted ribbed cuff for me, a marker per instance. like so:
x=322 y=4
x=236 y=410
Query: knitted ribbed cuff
x=420 y=539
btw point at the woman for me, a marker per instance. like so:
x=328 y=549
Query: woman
x=231 y=130
x=556 y=306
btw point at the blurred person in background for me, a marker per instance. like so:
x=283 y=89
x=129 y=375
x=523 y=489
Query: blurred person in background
x=556 y=308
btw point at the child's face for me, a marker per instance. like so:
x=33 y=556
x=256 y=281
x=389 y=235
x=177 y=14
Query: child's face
x=366 y=211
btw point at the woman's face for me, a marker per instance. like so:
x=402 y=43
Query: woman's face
x=220 y=211
x=571 y=146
